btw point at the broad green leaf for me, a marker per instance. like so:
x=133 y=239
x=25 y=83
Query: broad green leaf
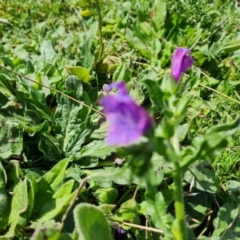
x=182 y=106
x=227 y=224
x=104 y=177
x=156 y=205
x=64 y=190
x=233 y=186
x=11 y=230
x=55 y=176
x=32 y=188
x=101 y=132
x=47 y=52
x=155 y=49
x=53 y=207
x=19 y=198
x=80 y=72
x=202 y=177
x=97 y=149
x=196 y=207
x=10 y=138
x=231 y=47
x=136 y=43
x=158 y=14
x=7 y=61
x=49 y=230
x=36 y=101
x=20 y=52
x=156 y=94
x=86 y=54
x=50 y=183
x=50 y=147
x=86 y=162
x=107 y=208
x=135 y=91
x=72 y=125
x=120 y=72
x=3 y=199
x=211 y=144
x=19 y=202
x=128 y=212
x=106 y=195
x=182 y=131
x=66 y=236
x=91 y=223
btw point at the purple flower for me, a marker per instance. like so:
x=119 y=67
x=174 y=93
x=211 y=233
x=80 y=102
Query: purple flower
x=181 y=62
x=121 y=230
x=127 y=121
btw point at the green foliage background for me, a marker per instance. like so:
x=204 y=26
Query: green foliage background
x=49 y=144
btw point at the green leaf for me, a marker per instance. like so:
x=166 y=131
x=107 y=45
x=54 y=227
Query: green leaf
x=64 y=190
x=53 y=208
x=49 y=183
x=47 y=52
x=10 y=138
x=120 y=72
x=91 y=223
x=196 y=207
x=50 y=147
x=155 y=204
x=3 y=199
x=19 y=202
x=211 y=144
x=80 y=72
x=182 y=131
x=32 y=188
x=155 y=49
x=158 y=14
x=128 y=212
x=49 y=230
x=86 y=54
x=97 y=149
x=19 y=198
x=20 y=52
x=35 y=100
x=106 y=195
x=72 y=124
x=66 y=236
x=233 y=186
x=6 y=61
x=228 y=221
x=136 y=42
x=231 y=47
x=156 y=95
x=104 y=177
x=201 y=176
x=135 y=91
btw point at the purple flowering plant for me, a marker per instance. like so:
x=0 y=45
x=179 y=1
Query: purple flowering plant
x=181 y=62
x=127 y=121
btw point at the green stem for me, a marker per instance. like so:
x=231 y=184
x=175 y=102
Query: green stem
x=100 y=30
x=181 y=233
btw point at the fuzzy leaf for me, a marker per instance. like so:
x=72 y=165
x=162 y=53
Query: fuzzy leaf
x=91 y=223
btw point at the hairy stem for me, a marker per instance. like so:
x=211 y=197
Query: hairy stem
x=181 y=233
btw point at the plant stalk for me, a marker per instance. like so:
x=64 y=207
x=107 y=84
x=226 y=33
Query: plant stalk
x=100 y=31
x=181 y=231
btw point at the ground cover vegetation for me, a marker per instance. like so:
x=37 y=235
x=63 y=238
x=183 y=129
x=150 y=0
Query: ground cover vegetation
x=119 y=119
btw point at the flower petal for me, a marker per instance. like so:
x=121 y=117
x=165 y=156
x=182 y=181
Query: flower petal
x=127 y=121
x=181 y=62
